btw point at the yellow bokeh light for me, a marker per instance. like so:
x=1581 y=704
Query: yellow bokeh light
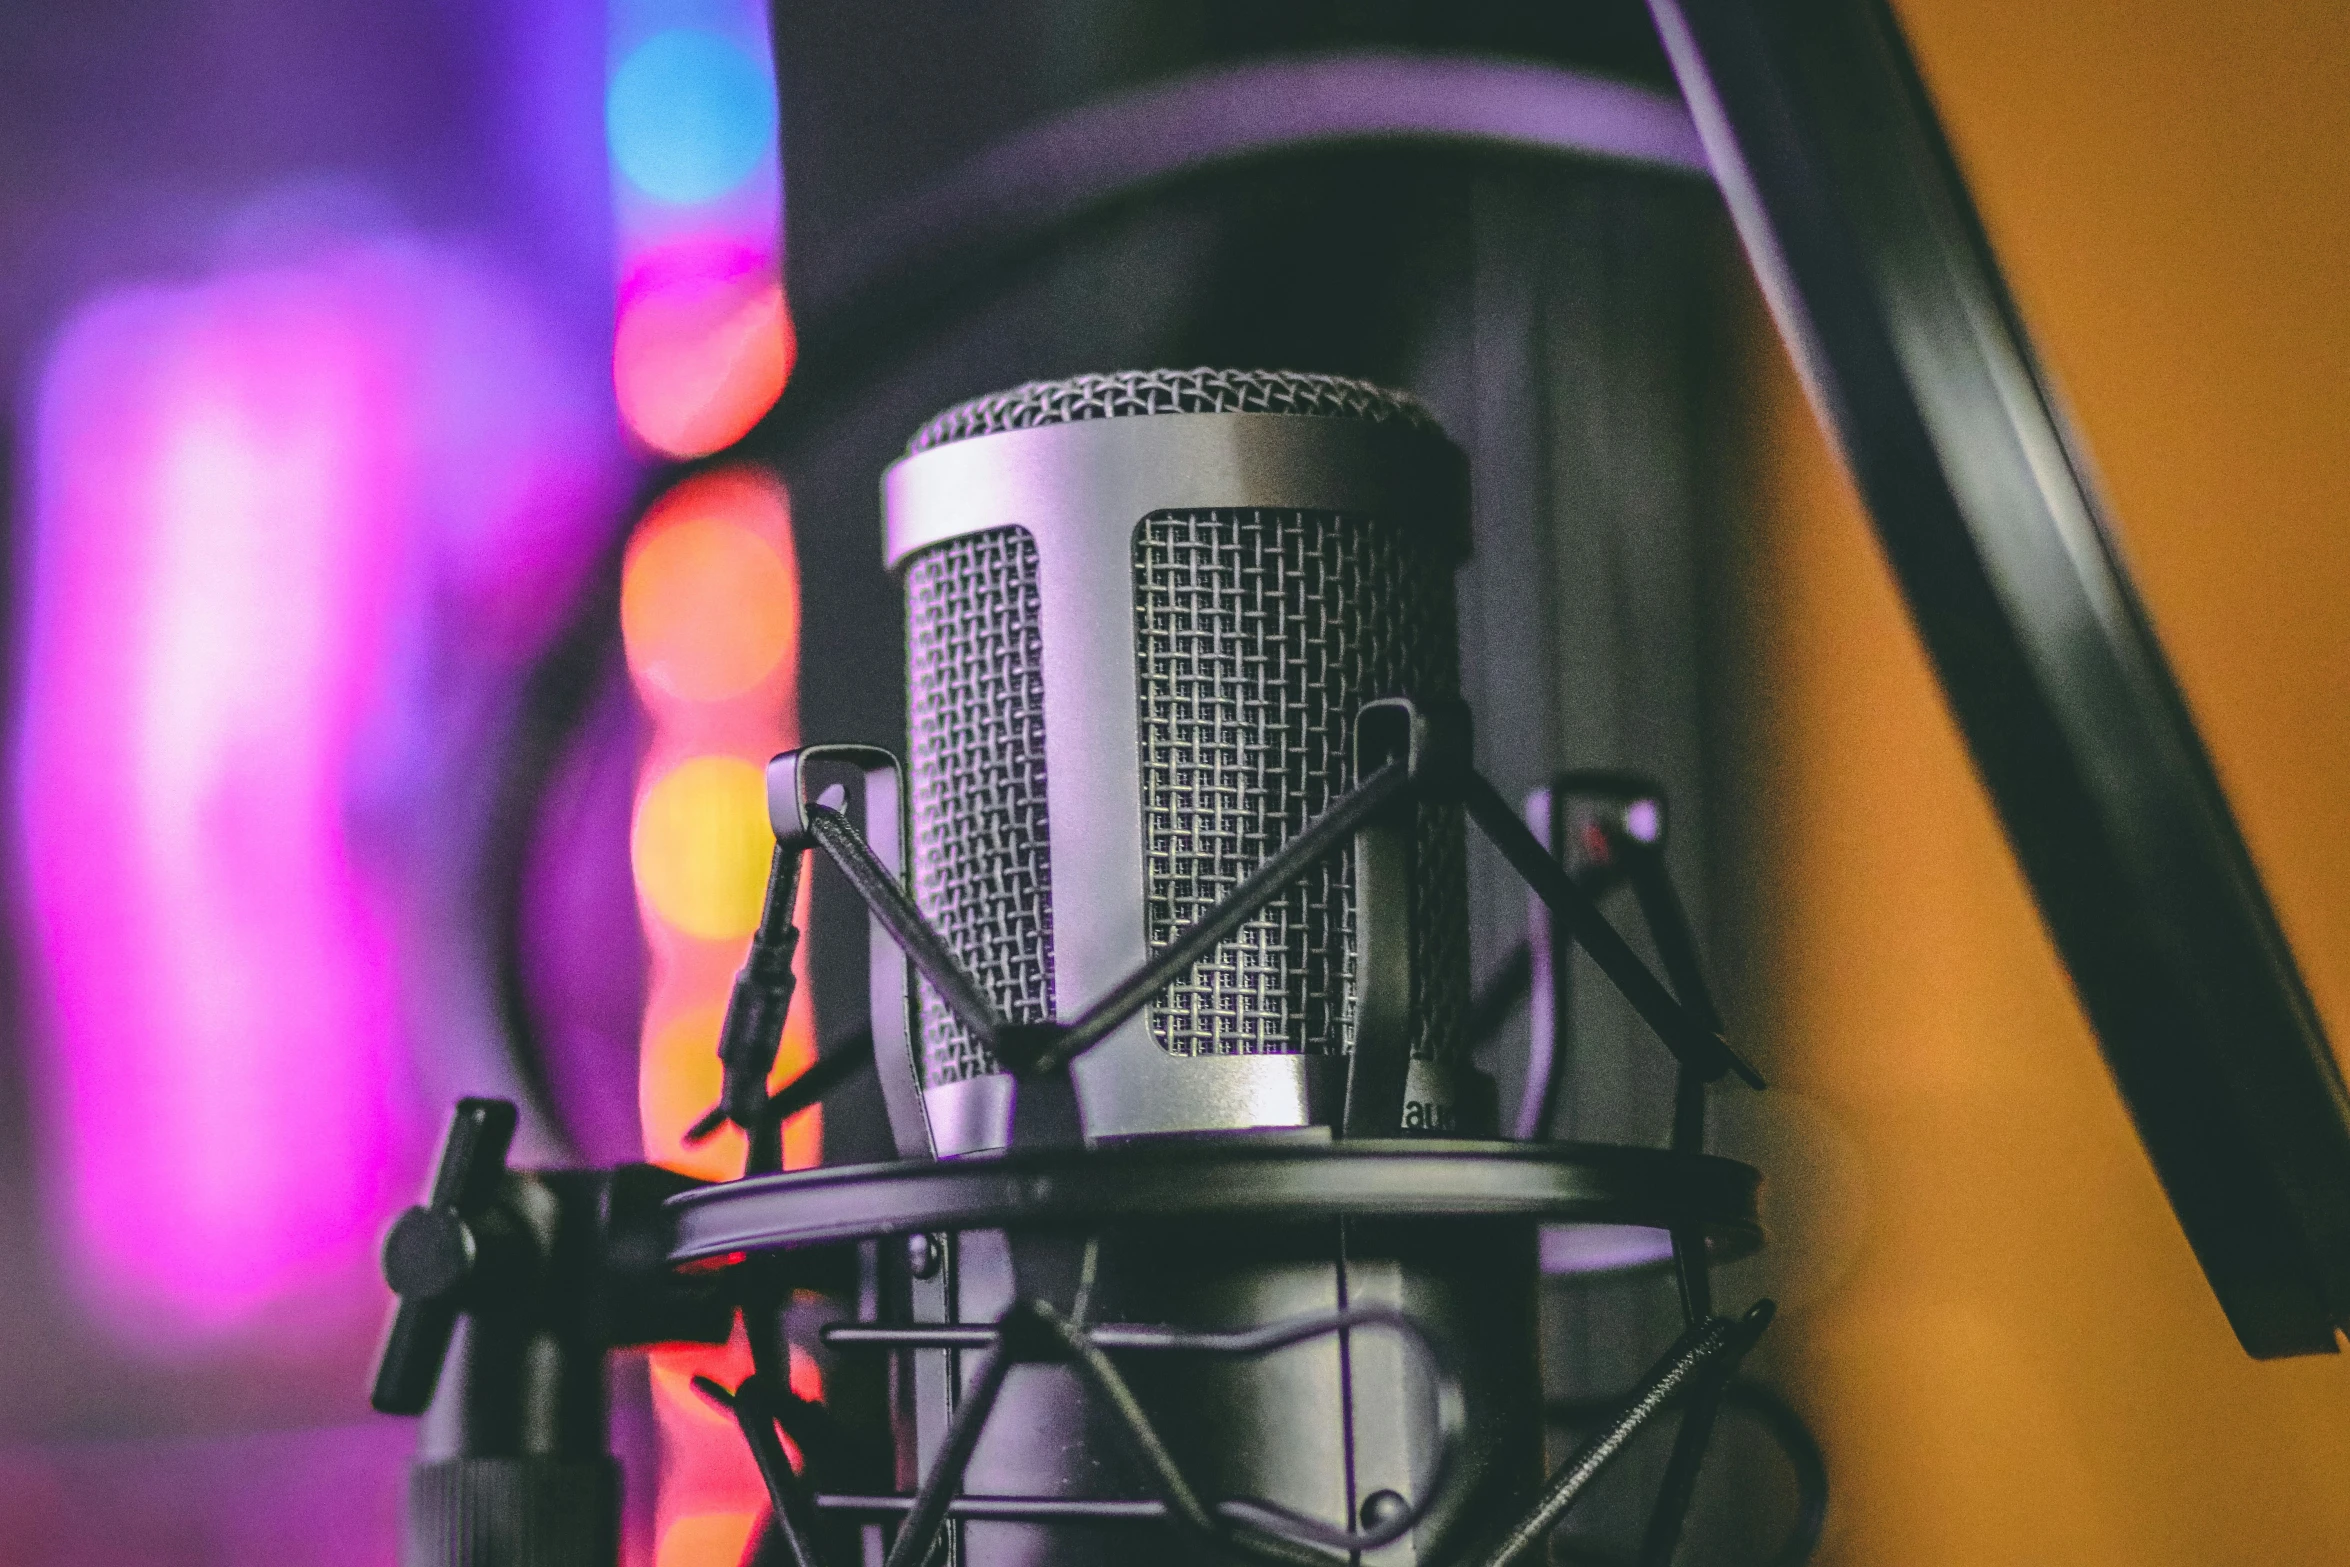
x=708 y=609
x=701 y=846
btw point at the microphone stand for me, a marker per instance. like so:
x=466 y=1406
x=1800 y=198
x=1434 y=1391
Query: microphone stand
x=513 y=1287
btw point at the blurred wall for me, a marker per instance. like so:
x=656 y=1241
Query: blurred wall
x=307 y=439
x=1993 y=1320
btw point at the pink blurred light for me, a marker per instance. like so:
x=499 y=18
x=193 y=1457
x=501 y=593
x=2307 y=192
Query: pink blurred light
x=249 y=495
x=703 y=344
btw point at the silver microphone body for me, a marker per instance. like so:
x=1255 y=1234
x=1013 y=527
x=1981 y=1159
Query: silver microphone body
x=1143 y=614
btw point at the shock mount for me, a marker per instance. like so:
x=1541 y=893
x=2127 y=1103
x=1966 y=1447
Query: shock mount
x=513 y=1286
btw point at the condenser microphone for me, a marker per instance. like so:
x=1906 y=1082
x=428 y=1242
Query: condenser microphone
x=1144 y=611
x=1145 y=614
x=1184 y=816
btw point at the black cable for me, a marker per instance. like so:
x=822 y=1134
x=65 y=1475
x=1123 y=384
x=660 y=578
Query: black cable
x=1690 y=1364
x=1786 y=1429
x=1497 y=1000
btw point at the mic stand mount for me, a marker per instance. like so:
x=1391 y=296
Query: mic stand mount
x=513 y=1287
x=655 y=1257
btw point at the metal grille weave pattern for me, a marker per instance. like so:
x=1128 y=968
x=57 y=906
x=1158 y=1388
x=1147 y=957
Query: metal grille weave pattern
x=975 y=720
x=1259 y=635
x=1134 y=392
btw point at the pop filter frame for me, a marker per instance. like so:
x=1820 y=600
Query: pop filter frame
x=1876 y=266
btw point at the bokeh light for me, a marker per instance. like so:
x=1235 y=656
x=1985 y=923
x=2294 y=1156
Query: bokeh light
x=706 y=609
x=710 y=600
x=697 y=1539
x=702 y=347
x=689 y=1415
x=701 y=846
x=680 y=1079
x=710 y=618
x=711 y=1494
x=690 y=116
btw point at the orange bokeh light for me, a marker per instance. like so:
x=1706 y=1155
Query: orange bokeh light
x=679 y=1080
x=708 y=609
x=674 y=1367
x=710 y=604
x=705 y=1540
x=702 y=348
x=707 y=1473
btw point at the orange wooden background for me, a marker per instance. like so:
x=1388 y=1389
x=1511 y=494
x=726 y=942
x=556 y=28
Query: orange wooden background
x=1991 y=1318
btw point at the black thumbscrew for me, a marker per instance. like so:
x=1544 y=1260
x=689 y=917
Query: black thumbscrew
x=435 y=1252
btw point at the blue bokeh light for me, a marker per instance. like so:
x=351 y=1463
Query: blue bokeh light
x=690 y=116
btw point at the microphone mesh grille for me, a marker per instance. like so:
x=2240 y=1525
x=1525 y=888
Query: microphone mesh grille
x=982 y=870
x=1138 y=392
x=1259 y=635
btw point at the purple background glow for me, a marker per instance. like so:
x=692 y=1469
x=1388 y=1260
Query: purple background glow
x=305 y=322
x=259 y=502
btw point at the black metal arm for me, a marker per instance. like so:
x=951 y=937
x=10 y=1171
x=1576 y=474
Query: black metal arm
x=1693 y=1041
x=1694 y=1372
x=1697 y=1365
x=789 y=1511
x=1031 y=1331
x=1429 y=763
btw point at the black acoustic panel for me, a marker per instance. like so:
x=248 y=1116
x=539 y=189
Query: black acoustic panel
x=1876 y=266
